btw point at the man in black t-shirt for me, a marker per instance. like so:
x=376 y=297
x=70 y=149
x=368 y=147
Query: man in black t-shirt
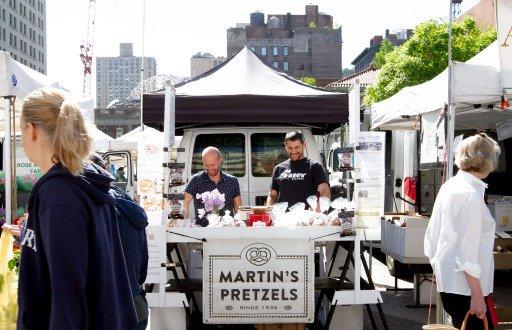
x=299 y=177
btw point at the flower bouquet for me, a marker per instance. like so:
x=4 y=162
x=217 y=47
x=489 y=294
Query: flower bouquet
x=213 y=202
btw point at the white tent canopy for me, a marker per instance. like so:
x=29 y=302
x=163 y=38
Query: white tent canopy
x=130 y=140
x=475 y=82
x=101 y=140
x=246 y=74
x=19 y=80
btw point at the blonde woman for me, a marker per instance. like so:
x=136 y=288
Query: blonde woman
x=460 y=236
x=72 y=271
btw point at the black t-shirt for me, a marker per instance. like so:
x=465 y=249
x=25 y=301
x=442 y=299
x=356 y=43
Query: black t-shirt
x=297 y=180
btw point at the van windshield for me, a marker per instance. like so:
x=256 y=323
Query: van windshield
x=232 y=148
x=267 y=150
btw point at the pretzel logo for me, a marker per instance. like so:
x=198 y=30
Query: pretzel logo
x=258 y=256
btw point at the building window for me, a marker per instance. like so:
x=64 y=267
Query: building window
x=326 y=37
x=275 y=64
x=263 y=50
x=275 y=50
x=336 y=37
x=285 y=50
x=285 y=66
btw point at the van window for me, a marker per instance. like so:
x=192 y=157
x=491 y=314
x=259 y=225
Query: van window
x=232 y=148
x=267 y=150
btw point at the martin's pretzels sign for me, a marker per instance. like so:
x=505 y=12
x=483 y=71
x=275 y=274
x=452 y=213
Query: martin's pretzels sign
x=258 y=281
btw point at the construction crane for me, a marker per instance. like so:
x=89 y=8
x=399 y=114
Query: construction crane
x=86 y=50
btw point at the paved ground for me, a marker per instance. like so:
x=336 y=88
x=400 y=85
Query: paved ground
x=398 y=316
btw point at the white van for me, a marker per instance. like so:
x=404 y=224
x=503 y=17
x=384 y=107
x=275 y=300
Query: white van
x=249 y=153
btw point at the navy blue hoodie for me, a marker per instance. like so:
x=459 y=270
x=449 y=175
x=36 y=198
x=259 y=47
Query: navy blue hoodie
x=72 y=269
x=132 y=223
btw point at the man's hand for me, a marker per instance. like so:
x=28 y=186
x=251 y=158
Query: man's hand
x=324 y=190
x=237 y=202
x=477 y=306
x=272 y=197
x=186 y=204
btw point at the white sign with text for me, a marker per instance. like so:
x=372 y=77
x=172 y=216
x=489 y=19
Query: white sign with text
x=258 y=281
x=504 y=17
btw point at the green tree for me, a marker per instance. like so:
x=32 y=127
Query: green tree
x=309 y=80
x=385 y=48
x=425 y=55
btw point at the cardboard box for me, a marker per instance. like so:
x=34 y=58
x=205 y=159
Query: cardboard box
x=502 y=213
x=405 y=241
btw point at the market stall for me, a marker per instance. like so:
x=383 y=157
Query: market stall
x=480 y=88
x=275 y=242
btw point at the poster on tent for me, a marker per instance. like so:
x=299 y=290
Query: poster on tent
x=504 y=18
x=150 y=177
x=432 y=138
x=369 y=193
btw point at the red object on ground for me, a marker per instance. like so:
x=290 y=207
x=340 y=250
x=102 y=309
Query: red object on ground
x=410 y=188
x=263 y=217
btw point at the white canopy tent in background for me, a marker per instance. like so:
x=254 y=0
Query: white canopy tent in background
x=130 y=140
x=475 y=82
x=16 y=82
x=101 y=140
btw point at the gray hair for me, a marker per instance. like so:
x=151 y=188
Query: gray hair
x=478 y=153
x=210 y=150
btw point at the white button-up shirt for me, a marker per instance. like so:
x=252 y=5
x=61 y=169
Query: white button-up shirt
x=460 y=236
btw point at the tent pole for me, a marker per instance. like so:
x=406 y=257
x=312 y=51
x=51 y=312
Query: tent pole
x=451 y=110
x=142 y=67
x=7 y=161
x=441 y=316
x=14 y=191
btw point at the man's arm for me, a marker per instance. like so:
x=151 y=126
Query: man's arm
x=186 y=203
x=272 y=197
x=324 y=190
x=237 y=202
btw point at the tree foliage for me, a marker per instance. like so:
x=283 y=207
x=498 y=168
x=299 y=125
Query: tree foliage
x=385 y=48
x=425 y=55
x=309 y=80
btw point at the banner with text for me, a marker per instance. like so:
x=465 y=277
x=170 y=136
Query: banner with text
x=370 y=190
x=258 y=281
x=504 y=17
x=150 y=178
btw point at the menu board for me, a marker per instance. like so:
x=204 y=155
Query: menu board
x=369 y=189
x=150 y=178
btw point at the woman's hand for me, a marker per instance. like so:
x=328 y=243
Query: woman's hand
x=477 y=306
x=15 y=230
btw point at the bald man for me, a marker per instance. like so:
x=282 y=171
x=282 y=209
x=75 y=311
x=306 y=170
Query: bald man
x=210 y=179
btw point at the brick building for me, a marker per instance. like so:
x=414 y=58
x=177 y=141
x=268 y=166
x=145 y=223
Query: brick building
x=365 y=59
x=300 y=45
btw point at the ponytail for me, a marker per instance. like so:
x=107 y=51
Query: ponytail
x=63 y=124
x=71 y=142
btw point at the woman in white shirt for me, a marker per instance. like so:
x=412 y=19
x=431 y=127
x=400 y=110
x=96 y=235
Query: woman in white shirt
x=460 y=236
